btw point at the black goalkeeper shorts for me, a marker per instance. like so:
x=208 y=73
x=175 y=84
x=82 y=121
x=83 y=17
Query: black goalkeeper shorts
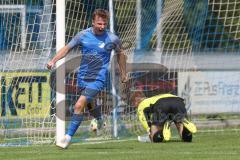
x=172 y=108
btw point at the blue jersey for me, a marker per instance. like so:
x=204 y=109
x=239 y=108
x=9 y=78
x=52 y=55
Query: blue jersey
x=96 y=53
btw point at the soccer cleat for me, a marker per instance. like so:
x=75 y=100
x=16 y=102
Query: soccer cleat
x=64 y=143
x=97 y=125
x=186 y=135
x=93 y=125
x=166 y=131
x=190 y=126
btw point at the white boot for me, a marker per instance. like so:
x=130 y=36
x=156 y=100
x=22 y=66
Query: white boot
x=64 y=143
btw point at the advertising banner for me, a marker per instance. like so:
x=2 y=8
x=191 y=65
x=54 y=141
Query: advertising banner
x=210 y=91
x=25 y=94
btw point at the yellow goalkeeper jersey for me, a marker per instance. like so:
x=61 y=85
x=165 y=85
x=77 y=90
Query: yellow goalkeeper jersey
x=145 y=104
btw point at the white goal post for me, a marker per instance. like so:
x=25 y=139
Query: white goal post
x=17 y=9
x=60 y=74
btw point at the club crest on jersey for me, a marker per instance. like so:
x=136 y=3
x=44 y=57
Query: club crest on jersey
x=110 y=46
x=101 y=45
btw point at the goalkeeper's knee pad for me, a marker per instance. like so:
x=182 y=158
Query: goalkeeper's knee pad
x=157 y=137
x=186 y=135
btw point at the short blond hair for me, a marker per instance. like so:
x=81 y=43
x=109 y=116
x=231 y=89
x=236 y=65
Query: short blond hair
x=101 y=13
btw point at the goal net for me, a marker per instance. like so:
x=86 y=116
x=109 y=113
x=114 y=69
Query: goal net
x=189 y=48
x=197 y=47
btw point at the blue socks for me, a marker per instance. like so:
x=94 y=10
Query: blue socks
x=78 y=118
x=74 y=124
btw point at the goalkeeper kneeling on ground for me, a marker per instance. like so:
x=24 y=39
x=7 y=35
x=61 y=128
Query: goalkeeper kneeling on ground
x=156 y=114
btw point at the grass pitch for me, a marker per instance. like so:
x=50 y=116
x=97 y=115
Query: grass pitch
x=208 y=146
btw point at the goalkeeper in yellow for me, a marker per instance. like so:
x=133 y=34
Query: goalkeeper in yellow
x=158 y=112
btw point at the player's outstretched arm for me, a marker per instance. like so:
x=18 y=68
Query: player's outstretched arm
x=122 y=66
x=60 y=54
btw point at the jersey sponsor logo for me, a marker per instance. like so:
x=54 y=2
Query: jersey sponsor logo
x=25 y=94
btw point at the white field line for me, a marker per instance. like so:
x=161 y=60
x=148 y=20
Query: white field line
x=218 y=130
x=135 y=139
x=106 y=141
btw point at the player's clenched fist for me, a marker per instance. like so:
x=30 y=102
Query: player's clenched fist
x=50 y=65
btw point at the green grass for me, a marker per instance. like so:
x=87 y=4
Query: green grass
x=207 y=146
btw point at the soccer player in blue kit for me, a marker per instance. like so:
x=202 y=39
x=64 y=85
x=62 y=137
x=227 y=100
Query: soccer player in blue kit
x=97 y=43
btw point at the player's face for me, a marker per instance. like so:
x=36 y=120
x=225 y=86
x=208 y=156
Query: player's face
x=99 y=25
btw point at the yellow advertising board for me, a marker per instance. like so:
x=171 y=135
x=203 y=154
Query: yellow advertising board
x=25 y=94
